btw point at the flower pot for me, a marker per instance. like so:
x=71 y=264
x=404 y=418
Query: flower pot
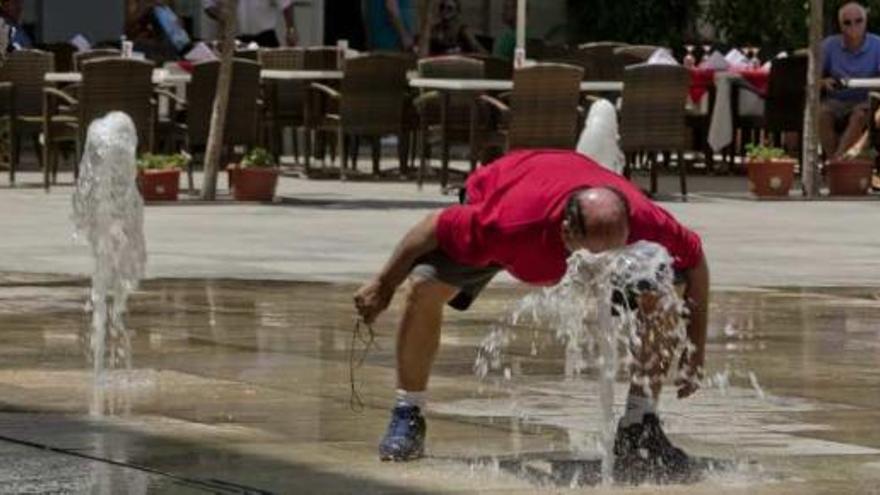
x=159 y=185
x=851 y=177
x=770 y=178
x=253 y=184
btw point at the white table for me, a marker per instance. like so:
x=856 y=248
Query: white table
x=165 y=77
x=160 y=77
x=866 y=83
x=300 y=75
x=720 y=133
x=498 y=84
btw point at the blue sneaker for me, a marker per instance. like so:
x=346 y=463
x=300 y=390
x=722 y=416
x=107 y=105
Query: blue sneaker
x=405 y=438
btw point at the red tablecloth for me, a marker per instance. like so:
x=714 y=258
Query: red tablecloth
x=703 y=79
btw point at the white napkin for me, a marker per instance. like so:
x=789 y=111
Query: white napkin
x=662 y=56
x=736 y=58
x=81 y=43
x=199 y=53
x=715 y=61
x=599 y=138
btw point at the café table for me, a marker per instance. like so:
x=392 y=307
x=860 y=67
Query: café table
x=446 y=86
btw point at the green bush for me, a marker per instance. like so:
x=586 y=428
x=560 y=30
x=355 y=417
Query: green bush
x=258 y=158
x=775 y=25
x=149 y=161
x=762 y=153
x=666 y=23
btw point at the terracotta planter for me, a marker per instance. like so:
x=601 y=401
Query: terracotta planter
x=850 y=177
x=771 y=178
x=159 y=185
x=252 y=184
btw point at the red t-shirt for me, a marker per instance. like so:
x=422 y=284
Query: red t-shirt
x=514 y=216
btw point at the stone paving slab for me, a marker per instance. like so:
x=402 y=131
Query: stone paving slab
x=343 y=231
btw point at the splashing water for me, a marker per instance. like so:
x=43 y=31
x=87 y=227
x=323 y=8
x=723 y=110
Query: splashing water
x=624 y=298
x=109 y=213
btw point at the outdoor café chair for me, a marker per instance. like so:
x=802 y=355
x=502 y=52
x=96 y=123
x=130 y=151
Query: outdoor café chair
x=108 y=84
x=373 y=101
x=653 y=118
x=429 y=106
x=543 y=112
x=21 y=86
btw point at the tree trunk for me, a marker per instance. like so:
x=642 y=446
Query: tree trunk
x=810 y=169
x=214 y=148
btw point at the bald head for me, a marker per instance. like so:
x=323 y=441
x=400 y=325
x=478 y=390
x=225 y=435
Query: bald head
x=596 y=219
x=853 y=19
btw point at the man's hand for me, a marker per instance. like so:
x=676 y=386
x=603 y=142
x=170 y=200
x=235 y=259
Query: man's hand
x=371 y=299
x=829 y=84
x=292 y=37
x=690 y=374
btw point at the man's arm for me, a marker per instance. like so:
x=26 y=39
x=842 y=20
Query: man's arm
x=374 y=296
x=290 y=26
x=393 y=10
x=212 y=9
x=697 y=298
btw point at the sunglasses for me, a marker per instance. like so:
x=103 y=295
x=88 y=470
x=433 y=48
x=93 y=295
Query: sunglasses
x=853 y=22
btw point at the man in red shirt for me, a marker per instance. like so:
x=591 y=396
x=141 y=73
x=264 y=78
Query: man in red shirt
x=525 y=213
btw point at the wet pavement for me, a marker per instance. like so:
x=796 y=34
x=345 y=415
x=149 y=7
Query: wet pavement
x=244 y=387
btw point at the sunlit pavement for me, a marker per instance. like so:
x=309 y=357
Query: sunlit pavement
x=243 y=386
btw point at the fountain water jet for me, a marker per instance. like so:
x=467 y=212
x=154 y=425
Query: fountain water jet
x=594 y=312
x=108 y=212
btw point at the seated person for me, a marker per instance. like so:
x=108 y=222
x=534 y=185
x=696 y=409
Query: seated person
x=505 y=43
x=143 y=28
x=853 y=53
x=449 y=34
x=11 y=12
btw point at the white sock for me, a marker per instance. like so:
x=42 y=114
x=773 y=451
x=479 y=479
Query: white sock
x=636 y=408
x=407 y=398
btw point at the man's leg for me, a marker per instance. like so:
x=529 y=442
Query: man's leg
x=642 y=451
x=827 y=133
x=855 y=127
x=433 y=281
x=418 y=335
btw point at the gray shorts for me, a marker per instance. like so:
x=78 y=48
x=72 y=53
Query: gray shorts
x=842 y=109
x=470 y=280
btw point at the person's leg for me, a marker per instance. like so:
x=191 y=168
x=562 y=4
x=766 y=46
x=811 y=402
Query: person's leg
x=642 y=451
x=855 y=127
x=827 y=132
x=434 y=281
x=418 y=334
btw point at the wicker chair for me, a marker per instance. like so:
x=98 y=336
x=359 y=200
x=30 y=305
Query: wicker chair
x=81 y=57
x=599 y=61
x=634 y=54
x=242 y=114
x=284 y=100
x=653 y=116
x=22 y=79
x=783 y=104
x=63 y=52
x=374 y=101
x=318 y=58
x=494 y=67
x=108 y=84
x=429 y=106
x=543 y=112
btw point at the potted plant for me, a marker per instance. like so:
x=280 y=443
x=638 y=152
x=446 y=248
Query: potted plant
x=255 y=177
x=770 y=171
x=850 y=175
x=159 y=176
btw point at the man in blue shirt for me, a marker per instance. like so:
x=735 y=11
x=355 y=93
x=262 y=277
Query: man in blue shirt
x=852 y=53
x=390 y=25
